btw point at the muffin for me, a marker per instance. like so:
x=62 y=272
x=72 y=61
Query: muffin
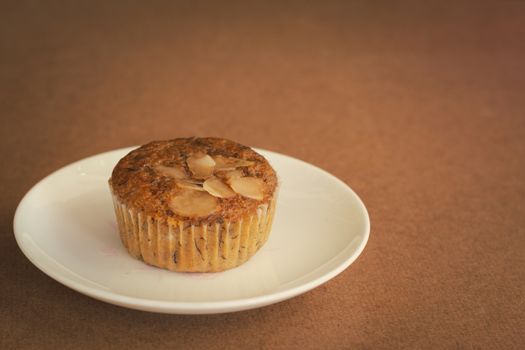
x=193 y=204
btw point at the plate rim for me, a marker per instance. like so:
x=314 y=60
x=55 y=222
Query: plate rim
x=206 y=307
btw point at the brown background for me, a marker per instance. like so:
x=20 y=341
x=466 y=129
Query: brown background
x=419 y=108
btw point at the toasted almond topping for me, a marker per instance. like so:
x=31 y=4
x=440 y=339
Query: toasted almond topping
x=234 y=174
x=217 y=188
x=201 y=166
x=242 y=162
x=227 y=163
x=220 y=162
x=229 y=168
x=250 y=187
x=190 y=185
x=175 y=172
x=193 y=204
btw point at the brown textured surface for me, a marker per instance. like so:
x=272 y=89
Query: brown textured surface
x=419 y=108
x=137 y=182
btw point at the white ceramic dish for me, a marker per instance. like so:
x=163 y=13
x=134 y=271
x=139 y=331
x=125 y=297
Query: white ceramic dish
x=65 y=225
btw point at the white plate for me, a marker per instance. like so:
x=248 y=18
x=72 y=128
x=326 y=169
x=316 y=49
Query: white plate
x=65 y=225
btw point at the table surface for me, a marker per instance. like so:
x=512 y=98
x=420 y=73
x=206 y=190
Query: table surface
x=419 y=108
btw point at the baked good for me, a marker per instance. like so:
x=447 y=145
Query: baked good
x=194 y=204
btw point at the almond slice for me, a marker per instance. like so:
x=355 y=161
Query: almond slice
x=193 y=204
x=228 y=168
x=234 y=174
x=250 y=187
x=175 y=172
x=217 y=188
x=228 y=163
x=190 y=185
x=201 y=166
x=243 y=162
x=221 y=162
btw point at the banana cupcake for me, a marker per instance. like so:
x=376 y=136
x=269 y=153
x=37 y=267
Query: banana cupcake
x=194 y=204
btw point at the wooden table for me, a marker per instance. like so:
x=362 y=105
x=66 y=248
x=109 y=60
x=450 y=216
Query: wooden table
x=420 y=108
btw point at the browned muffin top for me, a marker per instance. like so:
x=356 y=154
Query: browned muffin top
x=195 y=179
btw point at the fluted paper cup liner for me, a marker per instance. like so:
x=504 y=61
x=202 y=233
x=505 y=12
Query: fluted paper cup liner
x=182 y=246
